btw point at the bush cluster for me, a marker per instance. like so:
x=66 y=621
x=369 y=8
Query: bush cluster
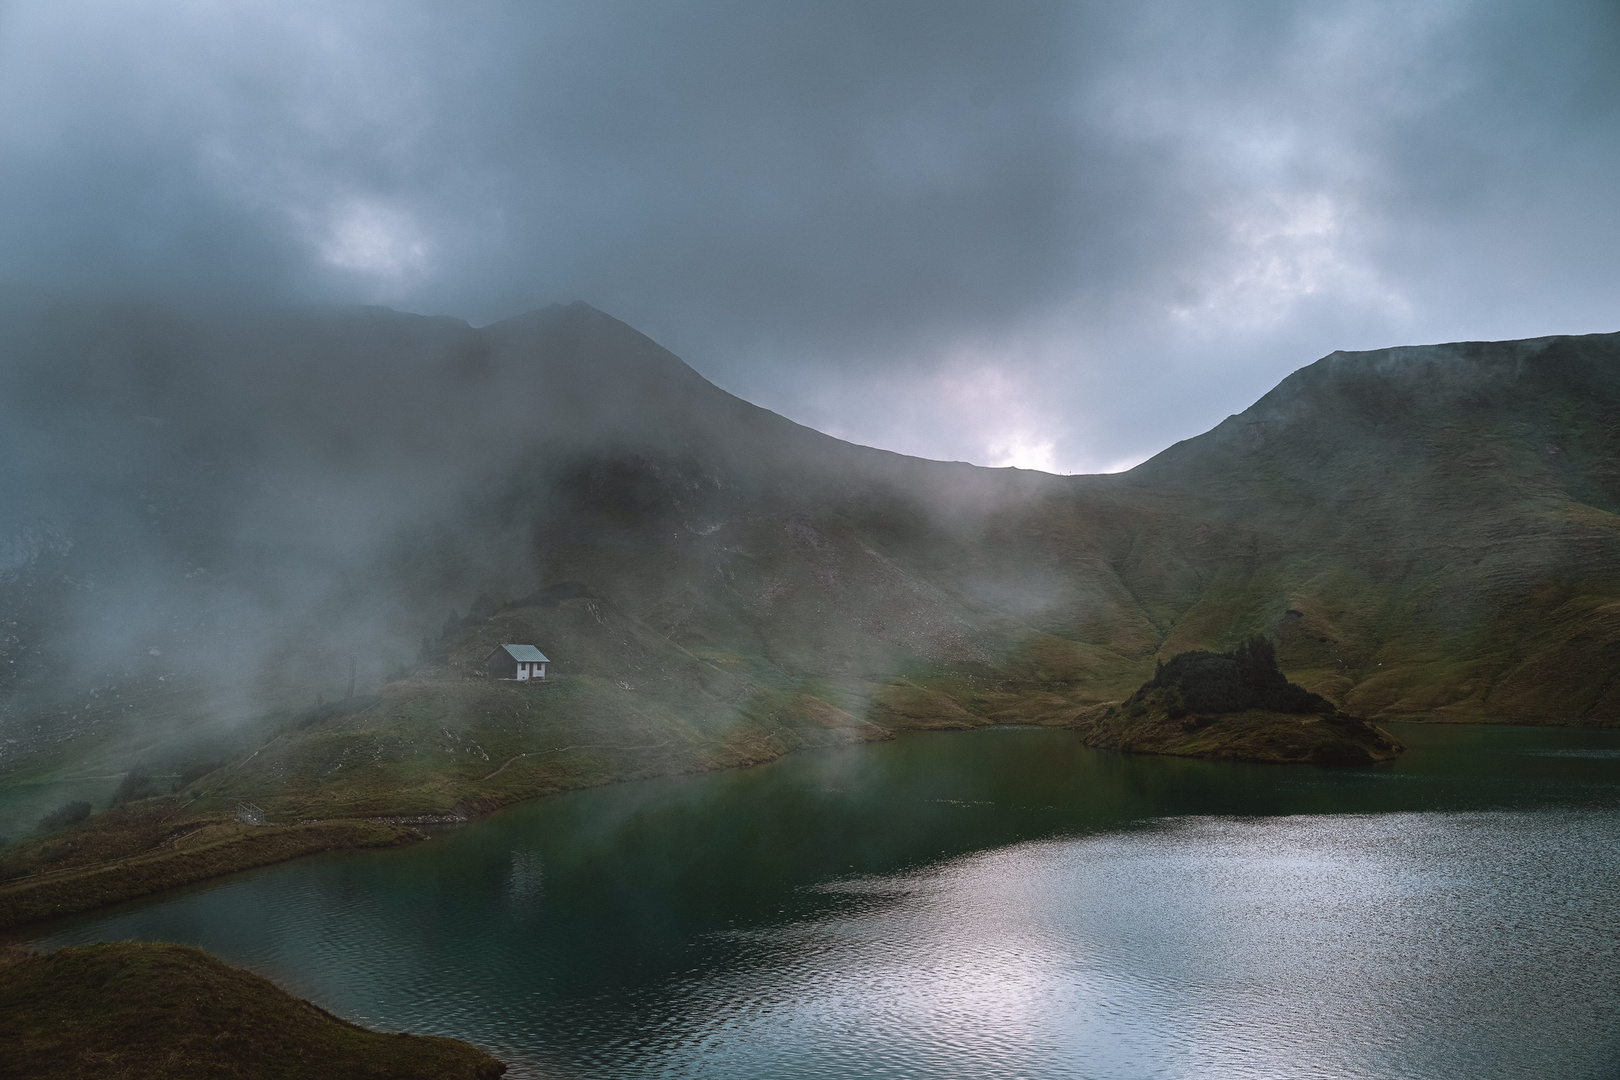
x=136 y=784
x=69 y=814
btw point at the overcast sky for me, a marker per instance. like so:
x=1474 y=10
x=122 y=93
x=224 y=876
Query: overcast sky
x=1054 y=235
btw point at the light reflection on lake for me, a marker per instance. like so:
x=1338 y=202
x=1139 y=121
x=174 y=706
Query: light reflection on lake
x=1002 y=903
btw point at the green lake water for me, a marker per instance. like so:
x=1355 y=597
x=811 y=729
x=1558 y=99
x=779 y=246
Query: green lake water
x=991 y=904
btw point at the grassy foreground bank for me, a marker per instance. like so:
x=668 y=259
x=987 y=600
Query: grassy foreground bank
x=136 y=1010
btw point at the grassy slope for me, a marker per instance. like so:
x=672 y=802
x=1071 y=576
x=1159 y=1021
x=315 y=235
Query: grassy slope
x=131 y=1010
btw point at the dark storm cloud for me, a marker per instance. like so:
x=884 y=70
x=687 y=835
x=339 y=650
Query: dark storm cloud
x=1044 y=233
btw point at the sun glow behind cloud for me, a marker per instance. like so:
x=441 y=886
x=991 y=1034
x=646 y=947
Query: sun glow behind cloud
x=376 y=240
x=1003 y=405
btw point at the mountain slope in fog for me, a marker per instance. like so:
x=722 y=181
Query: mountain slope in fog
x=1433 y=529
x=211 y=516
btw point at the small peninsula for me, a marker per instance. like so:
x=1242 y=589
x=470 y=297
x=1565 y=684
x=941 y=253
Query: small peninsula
x=1235 y=706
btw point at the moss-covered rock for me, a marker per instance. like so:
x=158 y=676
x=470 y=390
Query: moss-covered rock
x=1235 y=706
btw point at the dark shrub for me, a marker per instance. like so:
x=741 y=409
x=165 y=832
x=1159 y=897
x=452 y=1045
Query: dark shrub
x=136 y=784
x=63 y=816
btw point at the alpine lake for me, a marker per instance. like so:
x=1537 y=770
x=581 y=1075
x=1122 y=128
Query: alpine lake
x=990 y=904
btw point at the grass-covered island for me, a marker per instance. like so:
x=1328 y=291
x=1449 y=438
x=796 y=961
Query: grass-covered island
x=135 y=1010
x=1235 y=706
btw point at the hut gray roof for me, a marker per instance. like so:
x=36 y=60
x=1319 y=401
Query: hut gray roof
x=524 y=654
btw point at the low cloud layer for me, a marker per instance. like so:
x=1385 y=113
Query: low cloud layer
x=1053 y=235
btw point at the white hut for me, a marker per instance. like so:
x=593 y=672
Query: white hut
x=516 y=662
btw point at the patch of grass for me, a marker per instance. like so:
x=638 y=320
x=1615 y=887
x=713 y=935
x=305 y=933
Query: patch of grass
x=116 y=833
x=144 y=1011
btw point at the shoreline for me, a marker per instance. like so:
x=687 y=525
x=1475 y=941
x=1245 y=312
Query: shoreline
x=34 y=898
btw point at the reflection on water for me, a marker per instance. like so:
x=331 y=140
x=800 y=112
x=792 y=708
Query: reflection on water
x=991 y=904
